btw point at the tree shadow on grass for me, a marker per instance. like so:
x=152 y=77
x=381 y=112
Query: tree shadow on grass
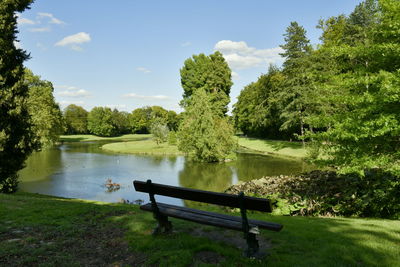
x=304 y=241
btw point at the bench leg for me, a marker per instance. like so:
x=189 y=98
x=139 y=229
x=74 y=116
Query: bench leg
x=164 y=226
x=252 y=245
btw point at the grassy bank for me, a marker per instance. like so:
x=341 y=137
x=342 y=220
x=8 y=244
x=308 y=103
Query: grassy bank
x=89 y=137
x=147 y=146
x=282 y=148
x=51 y=231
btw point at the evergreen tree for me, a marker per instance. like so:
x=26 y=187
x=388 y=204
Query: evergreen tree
x=16 y=135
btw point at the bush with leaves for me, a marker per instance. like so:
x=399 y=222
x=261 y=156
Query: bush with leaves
x=326 y=193
x=159 y=130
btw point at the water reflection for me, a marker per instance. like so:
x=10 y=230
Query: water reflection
x=80 y=170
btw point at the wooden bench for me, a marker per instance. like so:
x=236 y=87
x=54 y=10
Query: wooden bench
x=162 y=211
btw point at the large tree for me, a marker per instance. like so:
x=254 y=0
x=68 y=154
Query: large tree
x=297 y=86
x=100 y=122
x=203 y=134
x=16 y=135
x=45 y=113
x=211 y=74
x=365 y=132
x=76 y=119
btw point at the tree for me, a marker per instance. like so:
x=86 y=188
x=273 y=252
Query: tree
x=202 y=133
x=100 y=121
x=139 y=119
x=76 y=119
x=16 y=135
x=159 y=130
x=120 y=120
x=45 y=113
x=211 y=74
x=364 y=133
x=297 y=85
x=257 y=110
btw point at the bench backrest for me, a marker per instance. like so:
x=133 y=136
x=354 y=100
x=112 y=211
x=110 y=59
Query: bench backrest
x=223 y=199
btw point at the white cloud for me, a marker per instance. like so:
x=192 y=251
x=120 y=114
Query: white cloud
x=71 y=91
x=186 y=44
x=22 y=21
x=53 y=20
x=74 y=93
x=42 y=29
x=17 y=45
x=143 y=69
x=72 y=41
x=154 y=97
x=117 y=106
x=241 y=56
x=235 y=75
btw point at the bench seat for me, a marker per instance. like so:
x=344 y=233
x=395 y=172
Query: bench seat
x=210 y=218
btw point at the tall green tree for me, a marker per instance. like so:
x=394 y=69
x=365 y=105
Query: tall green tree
x=47 y=119
x=16 y=134
x=203 y=134
x=211 y=74
x=364 y=133
x=297 y=86
x=100 y=122
x=76 y=119
x=120 y=120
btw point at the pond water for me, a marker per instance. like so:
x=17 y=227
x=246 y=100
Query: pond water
x=80 y=170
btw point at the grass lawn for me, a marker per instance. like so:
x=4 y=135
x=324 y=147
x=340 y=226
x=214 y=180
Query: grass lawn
x=283 y=148
x=147 y=146
x=49 y=231
x=89 y=137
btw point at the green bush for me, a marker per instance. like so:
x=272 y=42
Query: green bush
x=326 y=193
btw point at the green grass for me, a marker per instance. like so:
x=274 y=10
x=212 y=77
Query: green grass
x=148 y=146
x=282 y=148
x=49 y=231
x=89 y=137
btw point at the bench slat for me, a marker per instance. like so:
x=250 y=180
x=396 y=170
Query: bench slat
x=216 y=219
x=251 y=203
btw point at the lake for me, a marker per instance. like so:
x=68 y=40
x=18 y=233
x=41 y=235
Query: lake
x=80 y=170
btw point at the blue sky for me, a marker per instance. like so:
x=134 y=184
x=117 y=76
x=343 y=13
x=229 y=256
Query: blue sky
x=127 y=53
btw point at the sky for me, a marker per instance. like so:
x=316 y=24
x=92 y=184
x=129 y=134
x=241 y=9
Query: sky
x=127 y=54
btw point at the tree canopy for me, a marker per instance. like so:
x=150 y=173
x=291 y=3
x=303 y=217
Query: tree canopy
x=76 y=119
x=16 y=134
x=211 y=74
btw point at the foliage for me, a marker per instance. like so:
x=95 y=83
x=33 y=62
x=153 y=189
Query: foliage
x=141 y=119
x=327 y=193
x=364 y=133
x=75 y=119
x=159 y=130
x=45 y=113
x=100 y=121
x=16 y=134
x=256 y=113
x=203 y=134
x=210 y=74
x=120 y=120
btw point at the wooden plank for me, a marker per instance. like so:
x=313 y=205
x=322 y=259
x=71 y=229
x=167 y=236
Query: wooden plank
x=262 y=224
x=251 y=203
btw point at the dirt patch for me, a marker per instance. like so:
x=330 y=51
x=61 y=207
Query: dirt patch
x=86 y=243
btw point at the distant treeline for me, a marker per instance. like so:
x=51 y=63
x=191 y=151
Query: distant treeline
x=104 y=121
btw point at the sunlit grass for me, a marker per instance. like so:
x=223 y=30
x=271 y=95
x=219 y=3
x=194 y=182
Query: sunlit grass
x=89 y=137
x=148 y=146
x=283 y=148
x=36 y=229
